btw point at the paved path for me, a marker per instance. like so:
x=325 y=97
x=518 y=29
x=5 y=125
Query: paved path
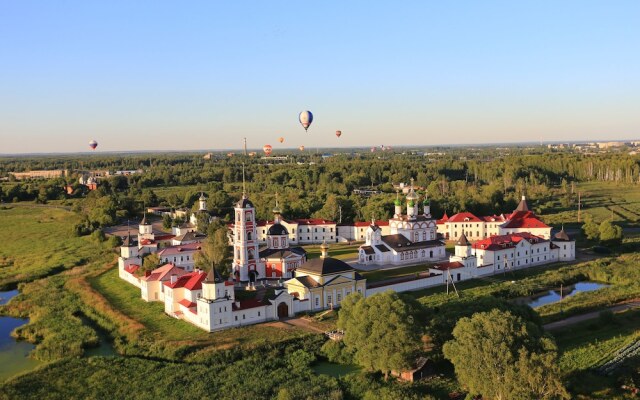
x=303 y=324
x=590 y=315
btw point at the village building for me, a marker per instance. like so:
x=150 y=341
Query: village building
x=358 y=230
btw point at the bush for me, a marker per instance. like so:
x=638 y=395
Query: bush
x=335 y=352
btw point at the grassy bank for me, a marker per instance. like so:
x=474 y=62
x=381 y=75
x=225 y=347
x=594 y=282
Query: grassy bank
x=40 y=244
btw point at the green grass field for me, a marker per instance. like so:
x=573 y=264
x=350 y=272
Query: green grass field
x=39 y=243
x=126 y=298
x=602 y=200
x=381 y=275
x=341 y=251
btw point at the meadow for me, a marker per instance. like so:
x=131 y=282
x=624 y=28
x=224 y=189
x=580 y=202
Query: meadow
x=40 y=243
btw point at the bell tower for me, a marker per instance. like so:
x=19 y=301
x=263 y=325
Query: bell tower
x=245 y=239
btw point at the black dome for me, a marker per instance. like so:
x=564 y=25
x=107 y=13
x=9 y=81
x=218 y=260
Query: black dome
x=244 y=203
x=277 y=229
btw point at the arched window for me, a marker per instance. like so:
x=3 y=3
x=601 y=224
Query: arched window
x=248 y=216
x=249 y=236
x=423 y=253
x=402 y=256
x=430 y=253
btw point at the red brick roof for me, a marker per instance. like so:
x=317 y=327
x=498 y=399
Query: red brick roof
x=171 y=250
x=131 y=268
x=524 y=219
x=249 y=303
x=164 y=273
x=493 y=218
x=191 y=281
x=442 y=220
x=187 y=303
x=464 y=217
x=506 y=241
x=448 y=265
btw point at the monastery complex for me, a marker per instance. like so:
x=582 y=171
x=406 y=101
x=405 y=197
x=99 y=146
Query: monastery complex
x=266 y=254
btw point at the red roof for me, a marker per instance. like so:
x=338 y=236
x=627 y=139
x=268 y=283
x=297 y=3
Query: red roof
x=524 y=219
x=191 y=281
x=313 y=221
x=493 y=218
x=164 y=237
x=442 y=220
x=246 y=304
x=449 y=265
x=171 y=250
x=505 y=241
x=464 y=217
x=165 y=272
x=365 y=224
x=131 y=268
x=187 y=303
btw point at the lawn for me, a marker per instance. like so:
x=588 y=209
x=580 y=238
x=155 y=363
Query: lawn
x=341 y=251
x=384 y=274
x=40 y=243
x=126 y=298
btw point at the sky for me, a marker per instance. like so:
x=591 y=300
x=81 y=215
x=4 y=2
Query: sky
x=167 y=75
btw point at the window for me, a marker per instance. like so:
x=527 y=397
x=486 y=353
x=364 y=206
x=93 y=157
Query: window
x=339 y=297
x=236 y=317
x=359 y=291
x=258 y=313
x=243 y=316
x=317 y=301
x=248 y=217
x=328 y=298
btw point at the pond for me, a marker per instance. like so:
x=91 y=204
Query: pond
x=553 y=296
x=13 y=354
x=334 y=369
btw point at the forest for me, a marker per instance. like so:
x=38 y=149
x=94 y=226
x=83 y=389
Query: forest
x=483 y=181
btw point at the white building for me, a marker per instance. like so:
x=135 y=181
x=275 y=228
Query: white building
x=477 y=228
x=413 y=237
x=180 y=255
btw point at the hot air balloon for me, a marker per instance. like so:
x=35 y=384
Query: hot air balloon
x=373 y=149
x=93 y=144
x=281 y=140
x=267 y=149
x=338 y=133
x=301 y=148
x=305 y=118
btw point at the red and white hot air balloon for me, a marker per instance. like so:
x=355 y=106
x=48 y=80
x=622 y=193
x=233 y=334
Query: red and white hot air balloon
x=373 y=149
x=338 y=133
x=301 y=148
x=267 y=149
x=281 y=139
x=93 y=144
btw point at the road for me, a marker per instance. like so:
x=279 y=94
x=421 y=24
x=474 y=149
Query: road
x=590 y=315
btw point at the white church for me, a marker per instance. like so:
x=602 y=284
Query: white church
x=413 y=237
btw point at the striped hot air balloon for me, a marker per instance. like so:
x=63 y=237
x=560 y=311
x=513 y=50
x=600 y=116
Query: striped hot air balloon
x=301 y=148
x=93 y=144
x=338 y=133
x=281 y=139
x=267 y=149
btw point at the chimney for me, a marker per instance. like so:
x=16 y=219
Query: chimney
x=174 y=278
x=324 y=249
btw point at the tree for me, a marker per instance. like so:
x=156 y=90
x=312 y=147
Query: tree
x=149 y=263
x=216 y=251
x=610 y=234
x=590 y=228
x=380 y=331
x=166 y=221
x=502 y=356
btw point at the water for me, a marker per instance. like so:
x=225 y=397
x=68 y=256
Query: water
x=13 y=354
x=553 y=296
x=334 y=369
